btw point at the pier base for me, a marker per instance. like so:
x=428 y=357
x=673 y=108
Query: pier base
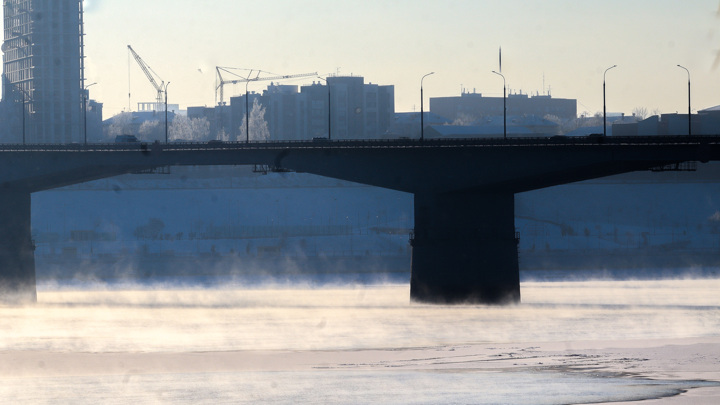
x=465 y=249
x=17 y=250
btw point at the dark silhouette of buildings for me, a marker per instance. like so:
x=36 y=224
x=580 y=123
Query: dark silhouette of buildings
x=705 y=122
x=345 y=107
x=470 y=107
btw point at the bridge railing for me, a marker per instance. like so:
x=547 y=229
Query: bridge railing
x=365 y=143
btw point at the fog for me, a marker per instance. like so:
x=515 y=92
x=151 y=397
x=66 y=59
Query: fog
x=353 y=317
x=342 y=344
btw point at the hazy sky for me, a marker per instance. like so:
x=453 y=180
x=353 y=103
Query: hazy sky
x=568 y=42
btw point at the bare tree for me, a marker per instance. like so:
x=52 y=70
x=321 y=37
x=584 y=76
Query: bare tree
x=640 y=113
x=586 y=121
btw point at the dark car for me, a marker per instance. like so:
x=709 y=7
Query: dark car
x=126 y=139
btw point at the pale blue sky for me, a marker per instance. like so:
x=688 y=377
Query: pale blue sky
x=570 y=42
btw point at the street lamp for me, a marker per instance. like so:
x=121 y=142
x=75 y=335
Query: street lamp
x=504 y=105
x=604 y=109
x=329 y=106
x=85 y=101
x=23 y=116
x=689 y=110
x=166 y=115
x=247 y=110
x=422 y=112
x=24 y=102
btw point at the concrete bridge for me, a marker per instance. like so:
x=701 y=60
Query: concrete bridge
x=464 y=242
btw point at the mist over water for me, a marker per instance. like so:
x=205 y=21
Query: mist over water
x=355 y=317
x=345 y=318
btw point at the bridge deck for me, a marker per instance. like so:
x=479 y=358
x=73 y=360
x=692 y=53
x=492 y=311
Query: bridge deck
x=369 y=143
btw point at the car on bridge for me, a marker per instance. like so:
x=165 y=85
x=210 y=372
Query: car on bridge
x=126 y=139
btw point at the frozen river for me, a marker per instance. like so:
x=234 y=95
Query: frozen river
x=350 y=344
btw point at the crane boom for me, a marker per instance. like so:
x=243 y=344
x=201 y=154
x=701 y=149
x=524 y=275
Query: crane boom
x=222 y=82
x=150 y=74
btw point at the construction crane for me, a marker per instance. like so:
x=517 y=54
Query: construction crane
x=220 y=82
x=150 y=74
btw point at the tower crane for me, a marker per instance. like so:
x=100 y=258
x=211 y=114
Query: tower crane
x=240 y=79
x=150 y=74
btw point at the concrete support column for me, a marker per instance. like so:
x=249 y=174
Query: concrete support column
x=17 y=251
x=465 y=249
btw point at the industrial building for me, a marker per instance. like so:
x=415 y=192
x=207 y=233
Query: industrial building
x=43 y=89
x=705 y=122
x=473 y=106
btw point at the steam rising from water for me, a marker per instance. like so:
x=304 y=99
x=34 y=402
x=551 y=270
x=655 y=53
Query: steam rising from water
x=231 y=345
x=353 y=317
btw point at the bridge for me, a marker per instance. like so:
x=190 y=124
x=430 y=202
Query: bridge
x=464 y=244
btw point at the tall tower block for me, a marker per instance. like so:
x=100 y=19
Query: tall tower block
x=42 y=68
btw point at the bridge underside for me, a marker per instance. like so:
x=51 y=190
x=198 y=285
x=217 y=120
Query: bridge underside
x=464 y=246
x=465 y=249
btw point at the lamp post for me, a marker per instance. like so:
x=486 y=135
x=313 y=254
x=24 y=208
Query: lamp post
x=247 y=110
x=166 y=114
x=604 y=109
x=504 y=105
x=422 y=112
x=23 y=116
x=329 y=107
x=85 y=101
x=689 y=110
x=24 y=102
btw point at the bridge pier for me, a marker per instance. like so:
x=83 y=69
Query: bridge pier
x=17 y=256
x=465 y=249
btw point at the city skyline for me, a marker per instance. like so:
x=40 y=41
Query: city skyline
x=558 y=47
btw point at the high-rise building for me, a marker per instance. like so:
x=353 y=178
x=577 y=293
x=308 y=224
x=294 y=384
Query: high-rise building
x=43 y=69
x=345 y=107
x=357 y=110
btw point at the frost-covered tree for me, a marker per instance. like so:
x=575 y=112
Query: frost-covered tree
x=554 y=118
x=180 y=129
x=258 y=126
x=222 y=135
x=121 y=125
x=189 y=129
x=463 y=119
x=149 y=130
